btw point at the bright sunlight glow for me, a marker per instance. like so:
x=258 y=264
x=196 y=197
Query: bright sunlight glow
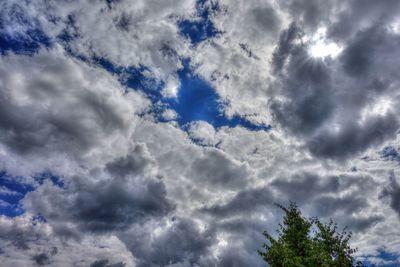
x=322 y=50
x=321 y=47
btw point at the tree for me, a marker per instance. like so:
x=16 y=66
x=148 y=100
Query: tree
x=305 y=242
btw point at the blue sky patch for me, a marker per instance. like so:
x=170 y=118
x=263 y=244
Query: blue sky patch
x=138 y=78
x=201 y=27
x=27 y=44
x=13 y=190
x=20 y=34
x=389 y=257
x=390 y=153
x=197 y=100
x=68 y=34
x=393 y=260
x=56 y=180
x=11 y=193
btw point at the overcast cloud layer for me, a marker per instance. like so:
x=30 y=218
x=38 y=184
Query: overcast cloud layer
x=161 y=133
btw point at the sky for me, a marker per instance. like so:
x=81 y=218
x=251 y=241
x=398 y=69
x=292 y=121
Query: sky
x=161 y=133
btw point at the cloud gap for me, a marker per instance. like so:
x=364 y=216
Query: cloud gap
x=14 y=189
x=201 y=27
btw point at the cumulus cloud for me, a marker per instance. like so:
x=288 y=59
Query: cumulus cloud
x=393 y=192
x=179 y=242
x=29 y=241
x=52 y=103
x=202 y=132
x=105 y=263
x=325 y=103
x=101 y=207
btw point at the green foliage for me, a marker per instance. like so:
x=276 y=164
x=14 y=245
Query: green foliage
x=305 y=242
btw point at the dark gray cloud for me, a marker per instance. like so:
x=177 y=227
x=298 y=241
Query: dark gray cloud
x=41 y=259
x=327 y=205
x=310 y=13
x=218 y=169
x=100 y=207
x=105 y=263
x=123 y=22
x=342 y=18
x=266 y=18
x=135 y=162
x=368 y=60
x=239 y=256
x=357 y=14
x=354 y=138
x=392 y=192
x=244 y=239
x=285 y=46
x=324 y=195
x=181 y=243
x=319 y=193
x=44 y=258
x=369 y=51
x=305 y=84
x=72 y=117
x=20 y=234
x=305 y=186
x=113 y=207
x=300 y=188
x=315 y=96
x=235 y=258
x=244 y=202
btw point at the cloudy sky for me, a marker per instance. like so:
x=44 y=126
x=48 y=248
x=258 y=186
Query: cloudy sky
x=161 y=132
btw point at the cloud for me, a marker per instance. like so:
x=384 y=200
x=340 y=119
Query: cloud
x=354 y=138
x=310 y=13
x=41 y=259
x=137 y=161
x=202 y=132
x=179 y=242
x=80 y=107
x=19 y=32
x=355 y=15
x=313 y=96
x=28 y=241
x=218 y=170
x=393 y=192
x=20 y=231
x=104 y=263
x=243 y=202
x=99 y=207
x=147 y=26
x=326 y=196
